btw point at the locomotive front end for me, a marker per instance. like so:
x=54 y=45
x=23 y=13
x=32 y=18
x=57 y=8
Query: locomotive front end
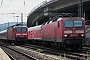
x=21 y=35
x=74 y=33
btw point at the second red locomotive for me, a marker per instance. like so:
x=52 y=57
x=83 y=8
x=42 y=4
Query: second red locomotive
x=17 y=34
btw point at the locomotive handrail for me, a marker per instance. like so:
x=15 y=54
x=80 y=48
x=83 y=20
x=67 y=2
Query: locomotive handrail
x=88 y=29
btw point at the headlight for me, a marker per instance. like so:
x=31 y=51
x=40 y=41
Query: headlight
x=68 y=31
x=82 y=35
x=65 y=35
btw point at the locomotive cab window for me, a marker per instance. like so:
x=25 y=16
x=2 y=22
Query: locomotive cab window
x=19 y=29
x=73 y=23
x=24 y=29
x=78 y=23
x=68 y=23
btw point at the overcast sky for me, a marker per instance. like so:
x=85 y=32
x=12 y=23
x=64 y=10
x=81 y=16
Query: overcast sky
x=17 y=7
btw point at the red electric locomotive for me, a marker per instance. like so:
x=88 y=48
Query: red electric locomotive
x=17 y=34
x=65 y=32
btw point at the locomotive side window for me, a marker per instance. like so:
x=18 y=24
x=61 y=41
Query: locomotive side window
x=58 y=24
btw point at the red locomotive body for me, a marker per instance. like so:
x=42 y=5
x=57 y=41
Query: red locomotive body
x=68 y=32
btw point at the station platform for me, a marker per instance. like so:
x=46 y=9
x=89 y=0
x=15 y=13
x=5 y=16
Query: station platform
x=3 y=55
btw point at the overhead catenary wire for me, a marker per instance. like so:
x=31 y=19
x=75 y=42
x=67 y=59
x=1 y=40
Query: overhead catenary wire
x=24 y=4
x=1 y=2
x=7 y=6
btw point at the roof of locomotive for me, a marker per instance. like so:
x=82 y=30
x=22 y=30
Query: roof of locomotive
x=62 y=18
x=67 y=18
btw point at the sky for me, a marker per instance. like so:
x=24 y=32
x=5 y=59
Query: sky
x=10 y=10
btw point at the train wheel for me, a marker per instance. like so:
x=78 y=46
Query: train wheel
x=73 y=48
x=76 y=47
x=63 y=46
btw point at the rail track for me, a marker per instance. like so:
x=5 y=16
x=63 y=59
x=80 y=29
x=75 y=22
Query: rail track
x=45 y=53
x=57 y=52
x=16 y=54
x=34 y=53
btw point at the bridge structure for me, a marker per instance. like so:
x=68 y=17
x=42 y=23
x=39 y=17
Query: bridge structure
x=48 y=9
